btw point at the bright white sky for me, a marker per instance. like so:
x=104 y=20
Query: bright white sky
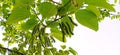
x=104 y=42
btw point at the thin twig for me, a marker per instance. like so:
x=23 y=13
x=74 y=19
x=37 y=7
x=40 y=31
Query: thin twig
x=36 y=14
x=54 y=21
x=12 y=50
x=37 y=17
x=65 y=5
x=55 y=2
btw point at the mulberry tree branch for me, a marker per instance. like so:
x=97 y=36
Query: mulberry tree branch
x=3 y=48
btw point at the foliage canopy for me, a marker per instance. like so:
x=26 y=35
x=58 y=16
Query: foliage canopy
x=26 y=23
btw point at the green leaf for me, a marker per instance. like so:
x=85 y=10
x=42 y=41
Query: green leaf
x=2 y=51
x=47 y=52
x=64 y=1
x=0 y=45
x=115 y=1
x=23 y=2
x=63 y=46
x=100 y=3
x=5 y=6
x=78 y=3
x=53 y=50
x=87 y=18
x=70 y=7
x=39 y=48
x=52 y=24
x=57 y=34
x=47 y=9
x=94 y=10
x=15 y=49
x=1 y=1
x=0 y=10
x=72 y=51
x=66 y=9
x=18 y=13
x=29 y=24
